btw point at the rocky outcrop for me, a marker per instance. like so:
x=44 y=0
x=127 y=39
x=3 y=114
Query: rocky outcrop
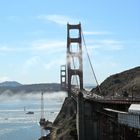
x=64 y=126
x=124 y=84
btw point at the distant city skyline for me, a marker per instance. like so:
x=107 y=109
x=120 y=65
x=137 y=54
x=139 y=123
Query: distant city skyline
x=33 y=38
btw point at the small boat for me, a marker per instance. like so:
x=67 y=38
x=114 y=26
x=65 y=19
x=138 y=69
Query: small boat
x=30 y=112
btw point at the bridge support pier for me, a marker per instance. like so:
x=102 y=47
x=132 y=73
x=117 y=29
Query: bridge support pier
x=88 y=124
x=80 y=117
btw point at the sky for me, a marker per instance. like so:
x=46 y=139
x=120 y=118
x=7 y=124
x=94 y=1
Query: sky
x=33 y=38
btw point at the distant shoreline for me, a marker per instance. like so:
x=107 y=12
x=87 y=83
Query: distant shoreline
x=44 y=87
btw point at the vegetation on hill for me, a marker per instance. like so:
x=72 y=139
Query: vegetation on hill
x=124 y=84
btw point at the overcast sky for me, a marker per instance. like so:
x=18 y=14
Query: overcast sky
x=33 y=37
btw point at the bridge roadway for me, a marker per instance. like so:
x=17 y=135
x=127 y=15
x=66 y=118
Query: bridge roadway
x=92 y=97
x=94 y=122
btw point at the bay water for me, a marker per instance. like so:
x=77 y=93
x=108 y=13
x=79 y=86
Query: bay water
x=15 y=124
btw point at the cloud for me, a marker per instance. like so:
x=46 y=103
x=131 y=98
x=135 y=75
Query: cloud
x=96 y=33
x=4 y=78
x=39 y=46
x=111 y=45
x=53 y=63
x=105 y=45
x=4 y=97
x=30 y=64
x=36 y=63
x=59 y=19
x=44 y=45
x=9 y=48
x=13 y=18
x=6 y=49
x=32 y=61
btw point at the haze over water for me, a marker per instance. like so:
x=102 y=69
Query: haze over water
x=16 y=124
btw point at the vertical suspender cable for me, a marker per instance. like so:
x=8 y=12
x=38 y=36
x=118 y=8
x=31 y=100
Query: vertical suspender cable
x=90 y=62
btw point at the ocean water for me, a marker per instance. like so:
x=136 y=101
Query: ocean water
x=16 y=124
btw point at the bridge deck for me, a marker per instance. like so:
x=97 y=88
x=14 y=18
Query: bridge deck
x=96 y=98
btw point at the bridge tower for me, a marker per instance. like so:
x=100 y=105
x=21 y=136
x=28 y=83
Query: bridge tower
x=63 y=77
x=72 y=54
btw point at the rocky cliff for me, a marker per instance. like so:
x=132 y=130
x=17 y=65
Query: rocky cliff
x=64 y=126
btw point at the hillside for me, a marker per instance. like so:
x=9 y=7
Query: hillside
x=122 y=84
x=10 y=84
x=14 y=88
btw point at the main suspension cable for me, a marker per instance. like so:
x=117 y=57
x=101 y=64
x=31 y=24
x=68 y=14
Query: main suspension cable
x=90 y=62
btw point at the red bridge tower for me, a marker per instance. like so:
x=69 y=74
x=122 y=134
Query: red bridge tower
x=74 y=40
